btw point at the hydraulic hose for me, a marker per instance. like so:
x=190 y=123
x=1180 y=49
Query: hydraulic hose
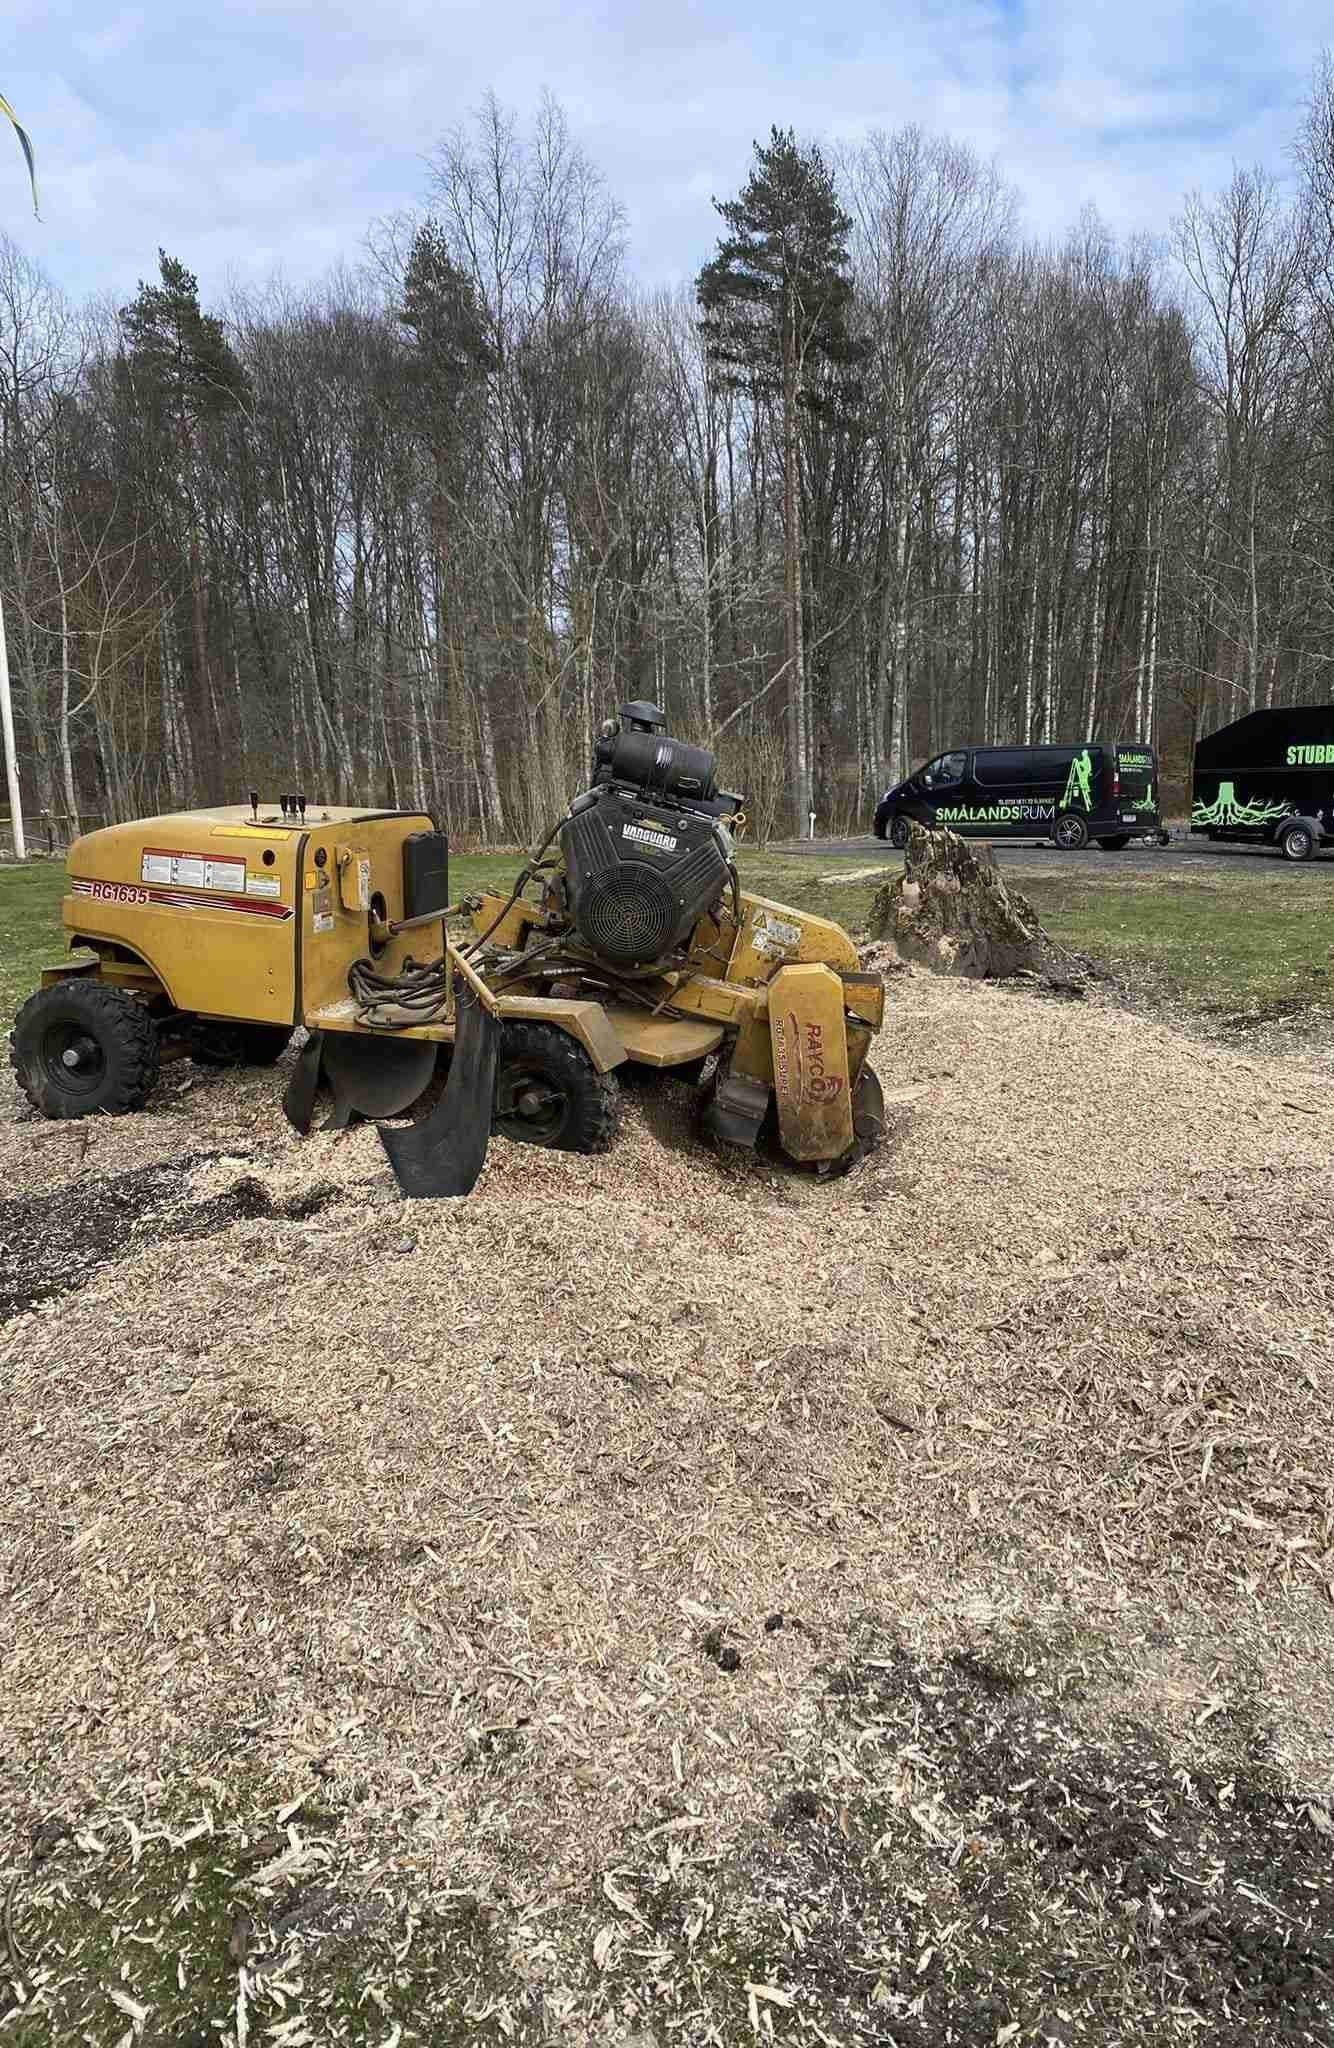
x=525 y=876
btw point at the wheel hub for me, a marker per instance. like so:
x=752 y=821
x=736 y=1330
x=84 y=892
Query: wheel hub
x=73 y=1057
x=528 y=1100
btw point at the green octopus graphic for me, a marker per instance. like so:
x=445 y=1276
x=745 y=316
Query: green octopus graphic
x=1225 y=810
x=1079 y=783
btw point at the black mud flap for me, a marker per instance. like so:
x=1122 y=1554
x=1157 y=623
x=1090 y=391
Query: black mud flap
x=299 y=1096
x=445 y=1152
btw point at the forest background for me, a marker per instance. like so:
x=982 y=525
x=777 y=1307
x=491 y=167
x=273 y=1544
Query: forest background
x=886 y=476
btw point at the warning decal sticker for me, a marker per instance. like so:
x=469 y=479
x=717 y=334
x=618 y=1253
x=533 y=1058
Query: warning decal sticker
x=191 y=870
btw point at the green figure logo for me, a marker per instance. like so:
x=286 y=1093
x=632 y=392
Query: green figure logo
x=1079 y=783
x=1225 y=810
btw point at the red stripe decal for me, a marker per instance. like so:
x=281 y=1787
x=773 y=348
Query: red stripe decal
x=178 y=899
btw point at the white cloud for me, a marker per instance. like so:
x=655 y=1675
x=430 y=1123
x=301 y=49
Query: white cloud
x=271 y=134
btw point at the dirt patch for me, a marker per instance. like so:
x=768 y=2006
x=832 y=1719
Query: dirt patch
x=965 y=1861
x=54 y=1242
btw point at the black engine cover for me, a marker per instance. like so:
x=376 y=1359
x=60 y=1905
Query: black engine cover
x=640 y=878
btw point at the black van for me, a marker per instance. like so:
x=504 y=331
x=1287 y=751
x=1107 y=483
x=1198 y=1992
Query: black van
x=1103 y=790
x=1268 y=778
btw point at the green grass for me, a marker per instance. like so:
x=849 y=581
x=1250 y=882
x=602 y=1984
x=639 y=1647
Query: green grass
x=1255 y=936
x=30 y=936
x=1255 y=939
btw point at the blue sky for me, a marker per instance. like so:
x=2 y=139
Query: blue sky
x=249 y=136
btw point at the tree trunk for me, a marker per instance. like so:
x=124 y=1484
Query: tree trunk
x=950 y=911
x=11 y=756
x=66 y=755
x=798 y=736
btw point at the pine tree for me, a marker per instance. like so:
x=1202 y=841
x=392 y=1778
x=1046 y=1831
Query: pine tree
x=775 y=302
x=448 y=366
x=183 y=379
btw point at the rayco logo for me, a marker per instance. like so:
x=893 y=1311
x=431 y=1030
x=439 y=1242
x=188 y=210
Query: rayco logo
x=820 y=1086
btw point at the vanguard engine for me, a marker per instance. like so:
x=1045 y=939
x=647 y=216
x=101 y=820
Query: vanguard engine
x=626 y=938
x=646 y=851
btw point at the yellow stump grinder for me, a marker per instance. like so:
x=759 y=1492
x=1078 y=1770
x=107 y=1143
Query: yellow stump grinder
x=626 y=937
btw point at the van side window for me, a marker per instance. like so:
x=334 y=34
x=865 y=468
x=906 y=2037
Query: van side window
x=945 y=769
x=1005 y=768
x=1023 y=767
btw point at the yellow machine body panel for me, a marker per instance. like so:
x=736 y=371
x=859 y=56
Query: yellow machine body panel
x=588 y=1022
x=812 y=1082
x=205 y=898
x=351 y=870
x=231 y=913
x=774 y=935
x=662 y=1041
x=504 y=927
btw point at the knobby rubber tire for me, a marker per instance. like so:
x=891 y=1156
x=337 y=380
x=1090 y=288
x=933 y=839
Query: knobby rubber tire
x=111 y=1020
x=589 y=1111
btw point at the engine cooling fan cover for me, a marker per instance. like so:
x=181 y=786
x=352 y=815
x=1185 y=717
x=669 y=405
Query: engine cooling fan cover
x=629 y=915
x=640 y=877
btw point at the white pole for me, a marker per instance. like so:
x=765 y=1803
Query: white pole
x=11 y=762
x=811 y=823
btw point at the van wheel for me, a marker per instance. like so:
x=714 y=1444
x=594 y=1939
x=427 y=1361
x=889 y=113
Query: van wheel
x=1070 y=832
x=898 y=833
x=1115 y=844
x=1296 y=842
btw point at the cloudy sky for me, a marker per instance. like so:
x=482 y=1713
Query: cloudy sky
x=249 y=136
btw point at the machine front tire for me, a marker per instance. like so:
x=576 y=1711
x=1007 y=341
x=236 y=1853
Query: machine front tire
x=548 y=1092
x=82 y=1049
x=898 y=833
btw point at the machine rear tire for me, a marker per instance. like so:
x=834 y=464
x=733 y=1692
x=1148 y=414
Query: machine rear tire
x=1115 y=844
x=239 y=1045
x=82 y=1049
x=1070 y=833
x=548 y=1092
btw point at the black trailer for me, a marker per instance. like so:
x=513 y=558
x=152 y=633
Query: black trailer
x=1268 y=778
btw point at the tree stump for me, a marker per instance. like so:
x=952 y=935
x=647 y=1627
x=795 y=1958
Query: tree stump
x=950 y=911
